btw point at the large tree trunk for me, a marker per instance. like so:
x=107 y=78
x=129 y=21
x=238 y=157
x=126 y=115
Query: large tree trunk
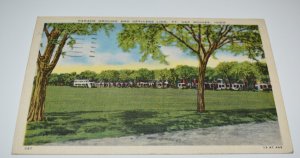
x=37 y=102
x=200 y=89
x=44 y=69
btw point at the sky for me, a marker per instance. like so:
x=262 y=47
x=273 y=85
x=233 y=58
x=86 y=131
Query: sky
x=100 y=52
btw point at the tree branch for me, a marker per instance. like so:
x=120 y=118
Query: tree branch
x=203 y=49
x=199 y=40
x=200 y=45
x=207 y=36
x=221 y=30
x=221 y=44
x=192 y=32
x=46 y=32
x=39 y=55
x=58 y=52
x=228 y=29
x=40 y=58
x=179 y=39
x=214 y=45
x=223 y=33
x=51 y=44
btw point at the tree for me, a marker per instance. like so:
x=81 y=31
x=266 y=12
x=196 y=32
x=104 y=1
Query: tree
x=144 y=75
x=72 y=77
x=134 y=76
x=163 y=75
x=185 y=72
x=223 y=70
x=57 y=35
x=90 y=75
x=63 y=79
x=248 y=72
x=210 y=74
x=263 y=70
x=109 y=76
x=124 y=75
x=53 y=79
x=199 y=40
x=174 y=78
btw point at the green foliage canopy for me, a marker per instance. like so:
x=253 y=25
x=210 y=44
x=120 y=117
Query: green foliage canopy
x=195 y=39
x=186 y=72
x=224 y=70
x=163 y=74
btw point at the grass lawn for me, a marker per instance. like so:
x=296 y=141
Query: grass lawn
x=81 y=113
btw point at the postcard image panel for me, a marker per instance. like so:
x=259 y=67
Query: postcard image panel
x=150 y=86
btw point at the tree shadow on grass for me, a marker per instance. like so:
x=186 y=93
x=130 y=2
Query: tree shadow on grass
x=67 y=125
x=62 y=123
x=147 y=122
x=231 y=117
x=134 y=121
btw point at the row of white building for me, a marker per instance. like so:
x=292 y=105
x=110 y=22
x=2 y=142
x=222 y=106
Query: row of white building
x=219 y=85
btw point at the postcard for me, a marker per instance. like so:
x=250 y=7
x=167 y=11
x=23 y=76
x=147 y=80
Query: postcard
x=116 y=85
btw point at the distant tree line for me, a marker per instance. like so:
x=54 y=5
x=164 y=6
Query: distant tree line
x=245 y=72
x=231 y=72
